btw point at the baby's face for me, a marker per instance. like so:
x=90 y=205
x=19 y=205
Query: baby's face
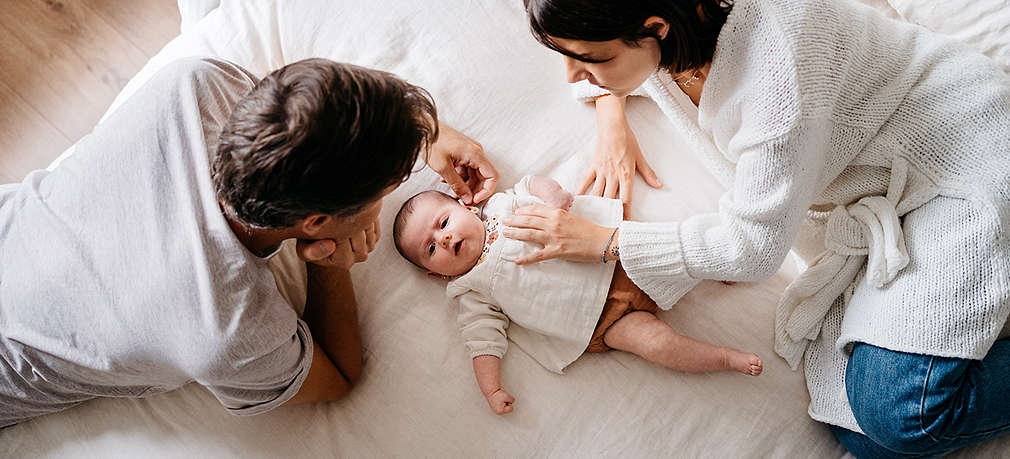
x=443 y=236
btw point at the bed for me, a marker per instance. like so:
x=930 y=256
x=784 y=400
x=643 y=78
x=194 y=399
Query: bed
x=417 y=395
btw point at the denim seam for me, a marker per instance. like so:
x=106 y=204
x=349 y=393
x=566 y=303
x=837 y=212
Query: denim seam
x=922 y=401
x=977 y=434
x=922 y=415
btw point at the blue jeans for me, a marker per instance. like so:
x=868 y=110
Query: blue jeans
x=912 y=405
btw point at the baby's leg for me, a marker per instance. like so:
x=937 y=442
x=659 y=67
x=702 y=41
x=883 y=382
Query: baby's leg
x=643 y=334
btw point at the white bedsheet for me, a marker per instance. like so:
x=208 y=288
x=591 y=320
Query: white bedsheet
x=417 y=395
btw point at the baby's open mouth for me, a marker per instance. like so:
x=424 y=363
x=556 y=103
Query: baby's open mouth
x=456 y=247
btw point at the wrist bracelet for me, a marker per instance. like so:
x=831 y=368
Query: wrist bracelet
x=609 y=241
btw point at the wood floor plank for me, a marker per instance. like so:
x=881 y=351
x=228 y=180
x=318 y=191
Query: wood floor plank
x=72 y=31
x=47 y=86
x=63 y=62
x=148 y=24
x=63 y=57
x=27 y=140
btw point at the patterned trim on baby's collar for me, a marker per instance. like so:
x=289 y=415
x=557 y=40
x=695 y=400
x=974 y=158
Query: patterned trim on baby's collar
x=491 y=230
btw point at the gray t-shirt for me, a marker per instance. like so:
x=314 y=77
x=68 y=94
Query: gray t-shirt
x=119 y=276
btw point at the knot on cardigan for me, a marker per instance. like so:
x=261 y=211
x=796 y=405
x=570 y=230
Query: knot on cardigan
x=869 y=227
x=865 y=232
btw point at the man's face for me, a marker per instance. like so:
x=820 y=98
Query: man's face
x=339 y=229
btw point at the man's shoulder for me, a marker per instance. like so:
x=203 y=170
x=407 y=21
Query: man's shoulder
x=204 y=69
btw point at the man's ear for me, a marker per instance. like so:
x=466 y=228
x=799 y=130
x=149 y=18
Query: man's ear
x=658 y=25
x=313 y=224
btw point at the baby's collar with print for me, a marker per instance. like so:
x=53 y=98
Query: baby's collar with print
x=491 y=226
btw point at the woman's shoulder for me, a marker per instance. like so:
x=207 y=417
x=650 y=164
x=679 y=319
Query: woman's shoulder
x=752 y=91
x=778 y=62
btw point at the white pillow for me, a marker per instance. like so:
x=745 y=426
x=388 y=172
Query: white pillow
x=983 y=24
x=191 y=11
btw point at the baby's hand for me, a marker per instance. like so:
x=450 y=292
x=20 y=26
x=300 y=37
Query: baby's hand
x=501 y=402
x=550 y=192
x=561 y=199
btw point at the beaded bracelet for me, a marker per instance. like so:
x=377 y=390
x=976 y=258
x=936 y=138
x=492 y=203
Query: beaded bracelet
x=609 y=241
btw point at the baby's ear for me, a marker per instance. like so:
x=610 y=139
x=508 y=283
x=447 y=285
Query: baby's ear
x=473 y=209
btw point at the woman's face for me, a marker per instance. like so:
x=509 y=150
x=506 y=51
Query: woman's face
x=612 y=65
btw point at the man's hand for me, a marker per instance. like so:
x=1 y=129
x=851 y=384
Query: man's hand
x=461 y=163
x=501 y=402
x=340 y=254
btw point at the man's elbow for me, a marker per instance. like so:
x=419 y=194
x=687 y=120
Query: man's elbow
x=344 y=383
x=328 y=382
x=337 y=389
x=350 y=368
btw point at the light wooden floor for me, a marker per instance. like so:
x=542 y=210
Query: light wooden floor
x=62 y=62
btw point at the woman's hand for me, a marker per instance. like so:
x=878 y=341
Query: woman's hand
x=340 y=254
x=461 y=163
x=617 y=155
x=562 y=234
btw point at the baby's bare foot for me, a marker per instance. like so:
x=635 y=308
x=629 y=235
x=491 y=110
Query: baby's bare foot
x=746 y=363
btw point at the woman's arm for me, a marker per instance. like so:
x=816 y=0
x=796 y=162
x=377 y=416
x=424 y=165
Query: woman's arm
x=562 y=234
x=617 y=155
x=748 y=238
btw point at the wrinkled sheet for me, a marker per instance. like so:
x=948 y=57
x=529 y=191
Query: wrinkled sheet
x=417 y=395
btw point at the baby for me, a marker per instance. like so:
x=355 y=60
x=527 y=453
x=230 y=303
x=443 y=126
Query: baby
x=557 y=309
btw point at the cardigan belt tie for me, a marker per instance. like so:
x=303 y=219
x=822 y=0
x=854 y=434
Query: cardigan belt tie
x=865 y=233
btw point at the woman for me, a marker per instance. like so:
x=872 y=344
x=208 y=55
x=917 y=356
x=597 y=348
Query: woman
x=876 y=148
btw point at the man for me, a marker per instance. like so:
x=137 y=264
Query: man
x=140 y=264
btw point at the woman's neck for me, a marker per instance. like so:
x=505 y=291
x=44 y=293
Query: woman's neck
x=692 y=82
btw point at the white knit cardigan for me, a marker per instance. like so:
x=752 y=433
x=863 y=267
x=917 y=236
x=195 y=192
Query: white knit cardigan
x=878 y=151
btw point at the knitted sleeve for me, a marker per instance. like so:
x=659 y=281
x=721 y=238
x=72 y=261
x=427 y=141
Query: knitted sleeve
x=747 y=239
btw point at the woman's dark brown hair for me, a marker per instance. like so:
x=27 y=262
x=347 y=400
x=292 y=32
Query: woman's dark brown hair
x=319 y=137
x=689 y=44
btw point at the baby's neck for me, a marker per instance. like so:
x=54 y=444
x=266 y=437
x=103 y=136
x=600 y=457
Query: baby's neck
x=483 y=243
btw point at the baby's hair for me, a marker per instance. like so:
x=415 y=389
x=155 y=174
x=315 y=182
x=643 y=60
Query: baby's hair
x=405 y=211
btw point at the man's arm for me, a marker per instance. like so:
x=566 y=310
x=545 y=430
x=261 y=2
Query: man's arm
x=332 y=315
x=461 y=162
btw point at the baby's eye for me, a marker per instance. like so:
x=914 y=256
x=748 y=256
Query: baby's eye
x=431 y=249
x=445 y=222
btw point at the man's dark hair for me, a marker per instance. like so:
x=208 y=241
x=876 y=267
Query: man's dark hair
x=401 y=219
x=318 y=136
x=689 y=44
